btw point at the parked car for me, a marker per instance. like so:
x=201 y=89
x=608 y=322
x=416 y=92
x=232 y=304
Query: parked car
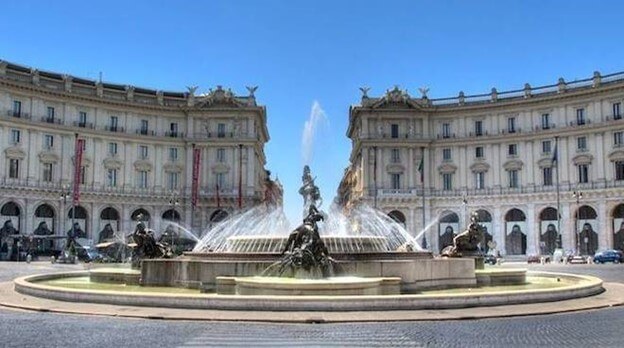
x=490 y=259
x=614 y=256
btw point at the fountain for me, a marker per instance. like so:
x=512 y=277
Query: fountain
x=351 y=257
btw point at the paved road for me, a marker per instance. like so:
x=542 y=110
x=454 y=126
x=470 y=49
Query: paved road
x=592 y=328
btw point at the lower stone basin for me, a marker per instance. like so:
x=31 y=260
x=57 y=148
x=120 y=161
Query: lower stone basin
x=334 y=243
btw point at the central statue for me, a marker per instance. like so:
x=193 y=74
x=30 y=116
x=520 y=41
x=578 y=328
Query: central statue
x=310 y=192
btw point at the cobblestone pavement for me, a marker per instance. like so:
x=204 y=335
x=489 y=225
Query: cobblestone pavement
x=581 y=329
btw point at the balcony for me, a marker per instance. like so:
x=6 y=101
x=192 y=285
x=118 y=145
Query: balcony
x=18 y=114
x=145 y=132
x=83 y=125
x=114 y=129
x=51 y=120
x=174 y=134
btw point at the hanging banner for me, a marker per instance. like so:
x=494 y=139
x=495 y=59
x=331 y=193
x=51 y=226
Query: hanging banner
x=77 y=166
x=195 y=183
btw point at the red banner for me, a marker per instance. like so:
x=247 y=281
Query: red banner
x=195 y=183
x=77 y=169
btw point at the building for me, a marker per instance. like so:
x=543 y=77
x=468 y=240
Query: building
x=137 y=160
x=501 y=154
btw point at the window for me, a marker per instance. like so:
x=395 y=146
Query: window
x=394 y=130
x=513 y=178
x=173 y=130
x=396 y=181
x=114 y=121
x=583 y=172
x=395 y=156
x=618 y=139
x=172 y=180
x=173 y=154
x=619 y=170
x=221 y=130
x=15 y=136
x=547 y=176
x=545 y=121
x=446 y=130
x=50 y=118
x=580 y=116
x=479 y=152
x=446 y=154
x=17 y=108
x=112 y=149
x=581 y=144
x=142 y=179
x=143 y=154
x=480 y=180
x=546 y=146
x=82 y=119
x=220 y=178
x=112 y=178
x=83 y=175
x=144 y=127
x=447 y=181
x=512 y=149
x=13 y=168
x=47 y=172
x=616 y=111
x=511 y=124
x=48 y=141
x=478 y=128
x=220 y=155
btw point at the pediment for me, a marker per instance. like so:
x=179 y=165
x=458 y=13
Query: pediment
x=513 y=165
x=112 y=163
x=479 y=167
x=447 y=168
x=395 y=168
x=14 y=152
x=143 y=165
x=221 y=98
x=616 y=155
x=393 y=99
x=86 y=161
x=48 y=157
x=545 y=163
x=584 y=158
x=220 y=168
x=172 y=168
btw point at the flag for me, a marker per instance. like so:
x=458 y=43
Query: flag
x=555 y=155
x=421 y=168
x=78 y=147
x=195 y=183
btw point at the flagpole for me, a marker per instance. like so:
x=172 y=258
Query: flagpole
x=556 y=160
x=422 y=181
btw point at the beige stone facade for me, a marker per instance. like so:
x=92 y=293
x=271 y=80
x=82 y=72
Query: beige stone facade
x=494 y=153
x=137 y=154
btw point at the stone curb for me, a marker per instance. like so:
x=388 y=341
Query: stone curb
x=613 y=296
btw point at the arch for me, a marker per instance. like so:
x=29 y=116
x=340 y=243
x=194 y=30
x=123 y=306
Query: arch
x=109 y=214
x=586 y=212
x=549 y=235
x=397 y=216
x=586 y=235
x=515 y=238
x=218 y=215
x=10 y=209
x=617 y=217
x=171 y=215
x=485 y=219
x=44 y=211
x=447 y=229
x=81 y=213
x=140 y=215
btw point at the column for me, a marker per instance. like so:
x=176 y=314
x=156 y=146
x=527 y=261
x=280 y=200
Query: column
x=568 y=239
x=498 y=233
x=599 y=167
x=533 y=231
x=605 y=232
x=564 y=160
x=410 y=168
x=250 y=167
x=529 y=159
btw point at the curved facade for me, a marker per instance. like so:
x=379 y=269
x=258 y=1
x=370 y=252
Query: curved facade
x=138 y=153
x=499 y=153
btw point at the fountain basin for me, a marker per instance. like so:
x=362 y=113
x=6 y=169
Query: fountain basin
x=335 y=244
x=565 y=286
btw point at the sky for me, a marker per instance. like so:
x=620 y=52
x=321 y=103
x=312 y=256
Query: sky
x=314 y=55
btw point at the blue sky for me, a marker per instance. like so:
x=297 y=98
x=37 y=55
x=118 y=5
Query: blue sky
x=299 y=52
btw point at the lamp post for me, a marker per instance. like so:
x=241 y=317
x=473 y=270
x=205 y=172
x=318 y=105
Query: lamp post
x=173 y=202
x=464 y=204
x=65 y=193
x=578 y=195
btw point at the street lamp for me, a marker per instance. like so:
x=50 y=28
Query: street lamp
x=65 y=194
x=464 y=204
x=578 y=195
